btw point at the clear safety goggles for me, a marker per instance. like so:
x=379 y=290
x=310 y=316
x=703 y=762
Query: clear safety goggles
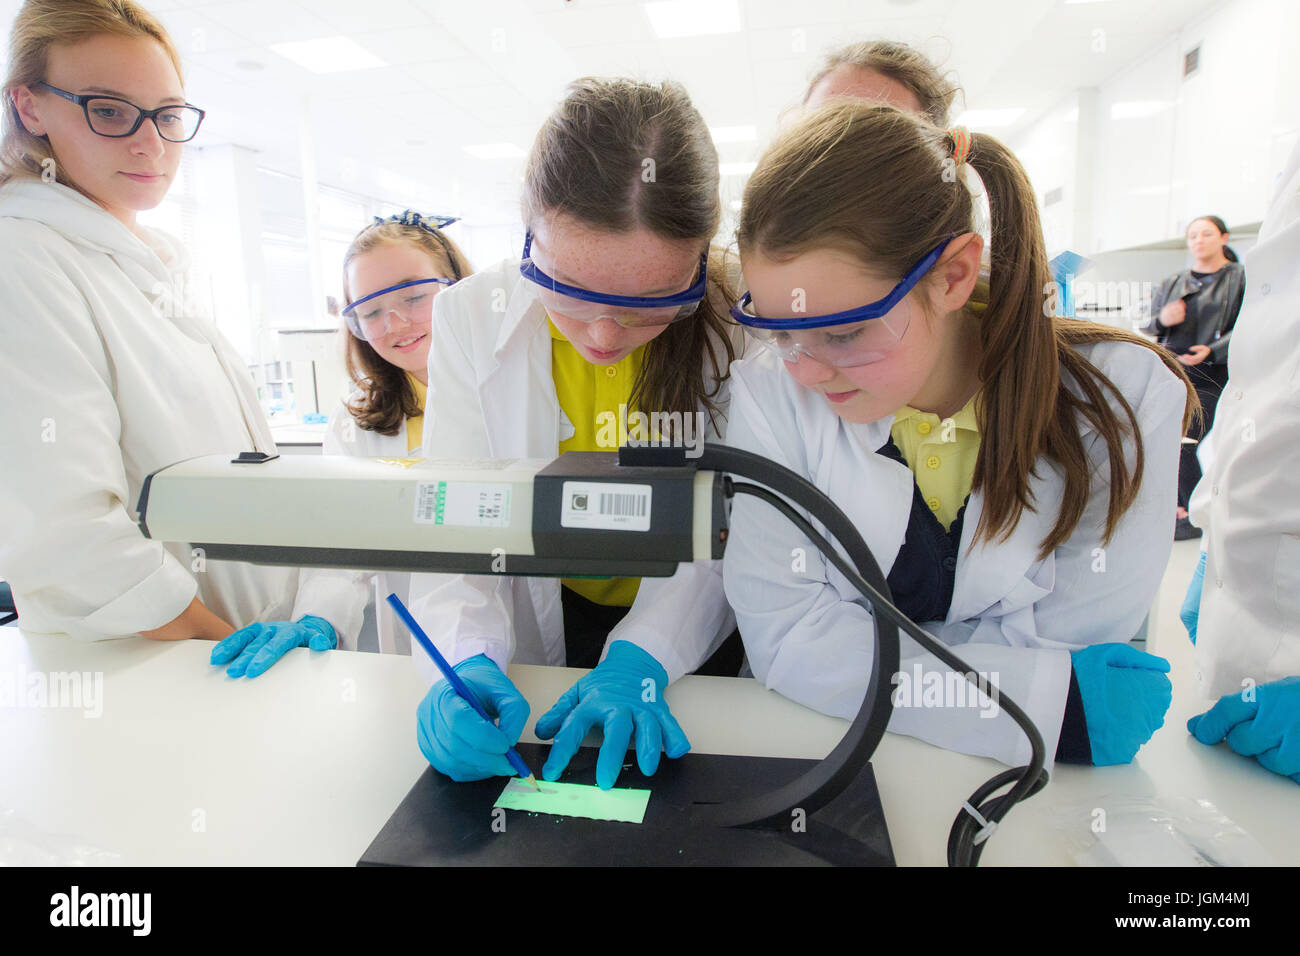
x=371 y=316
x=629 y=311
x=845 y=339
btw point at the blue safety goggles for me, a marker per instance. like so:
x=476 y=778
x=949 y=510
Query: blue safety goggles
x=629 y=311
x=862 y=335
x=369 y=316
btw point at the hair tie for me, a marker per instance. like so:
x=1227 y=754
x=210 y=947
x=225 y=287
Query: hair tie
x=960 y=137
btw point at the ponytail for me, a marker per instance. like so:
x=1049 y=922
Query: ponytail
x=1029 y=353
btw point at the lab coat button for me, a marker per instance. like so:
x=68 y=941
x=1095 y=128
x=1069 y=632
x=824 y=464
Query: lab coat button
x=1239 y=395
x=1265 y=289
x=1214 y=489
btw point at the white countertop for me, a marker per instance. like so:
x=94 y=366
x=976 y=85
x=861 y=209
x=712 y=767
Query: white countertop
x=305 y=764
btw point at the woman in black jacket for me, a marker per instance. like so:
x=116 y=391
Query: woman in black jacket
x=1193 y=313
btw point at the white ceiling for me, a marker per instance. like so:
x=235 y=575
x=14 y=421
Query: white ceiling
x=488 y=71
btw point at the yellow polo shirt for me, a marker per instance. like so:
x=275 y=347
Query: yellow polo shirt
x=415 y=424
x=590 y=396
x=941 y=454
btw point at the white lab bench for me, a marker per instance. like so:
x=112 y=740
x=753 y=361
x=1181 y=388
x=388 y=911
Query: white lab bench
x=297 y=439
x=304 y=764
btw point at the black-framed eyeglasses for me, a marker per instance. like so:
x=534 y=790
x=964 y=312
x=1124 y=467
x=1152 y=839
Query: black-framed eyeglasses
x=117 y=118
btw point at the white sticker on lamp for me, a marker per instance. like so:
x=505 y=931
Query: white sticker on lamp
x=611 y=505
x=466 y=503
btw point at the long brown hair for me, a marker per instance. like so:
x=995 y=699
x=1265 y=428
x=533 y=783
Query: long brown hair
x=39 y=25
x=385 y=398
x=588 y=162
x=902 y=64
x=879 y=184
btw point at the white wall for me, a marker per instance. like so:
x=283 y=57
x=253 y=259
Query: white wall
x=1165 y=150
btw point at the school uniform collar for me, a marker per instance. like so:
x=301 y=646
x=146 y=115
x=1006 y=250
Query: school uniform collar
x=963 y=418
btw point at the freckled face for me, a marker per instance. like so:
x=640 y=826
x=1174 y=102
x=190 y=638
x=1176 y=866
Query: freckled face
x=633 y=263
x=829 y=282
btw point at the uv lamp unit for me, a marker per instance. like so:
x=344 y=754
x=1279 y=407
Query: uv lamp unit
x=567 y=517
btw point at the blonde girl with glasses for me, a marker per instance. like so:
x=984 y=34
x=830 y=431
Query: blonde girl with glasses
x=107 y=372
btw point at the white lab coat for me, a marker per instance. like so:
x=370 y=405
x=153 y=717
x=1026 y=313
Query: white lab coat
x=1012 y=616
x=340 y=596
x=1248 y=502
x=491 y=395
x=98 y=390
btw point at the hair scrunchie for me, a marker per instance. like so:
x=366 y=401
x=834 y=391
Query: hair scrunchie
x=960 y=137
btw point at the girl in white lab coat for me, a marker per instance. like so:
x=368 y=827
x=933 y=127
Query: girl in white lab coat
x=1011 y=471
x=616 y=304
x=107 y=371
x=392 y=272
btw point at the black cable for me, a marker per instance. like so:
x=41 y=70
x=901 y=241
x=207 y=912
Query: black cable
x=963 y=850
x=828 y=777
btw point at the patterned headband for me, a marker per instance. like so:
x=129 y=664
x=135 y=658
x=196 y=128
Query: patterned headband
x=408 y=217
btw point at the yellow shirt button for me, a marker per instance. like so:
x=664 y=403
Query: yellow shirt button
x=610 y=371
x=933 y=503
x=933 y=462
x=923 y=427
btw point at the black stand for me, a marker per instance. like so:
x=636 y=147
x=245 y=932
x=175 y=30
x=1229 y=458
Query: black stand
x=443 y=823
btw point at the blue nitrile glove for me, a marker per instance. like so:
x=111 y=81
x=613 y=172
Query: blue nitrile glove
x=256 y=647
x=456 y=740
x=1191 y=609
x=623 y=690
x=1125 y=694
x=1266 y=728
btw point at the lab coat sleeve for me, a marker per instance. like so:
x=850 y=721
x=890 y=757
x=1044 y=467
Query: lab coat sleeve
x=463 y=614
x=681 y=620
x=335 y=594
x=71 y=548
x=802 y=639
x=1102 y=592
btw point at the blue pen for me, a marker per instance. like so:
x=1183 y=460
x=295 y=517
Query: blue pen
x=457 y=684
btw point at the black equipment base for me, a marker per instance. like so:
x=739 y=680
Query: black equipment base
x=443 y=823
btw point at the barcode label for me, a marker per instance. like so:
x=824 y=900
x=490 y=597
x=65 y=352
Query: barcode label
x=615 y=506
x=630 y=506
x=475 y=504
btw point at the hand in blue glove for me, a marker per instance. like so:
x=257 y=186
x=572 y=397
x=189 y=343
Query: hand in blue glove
x=1266 y=727
x=1125 y=694
x=256 y=647
x=456 y=740
x=625 y=689
x=1191 y=609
